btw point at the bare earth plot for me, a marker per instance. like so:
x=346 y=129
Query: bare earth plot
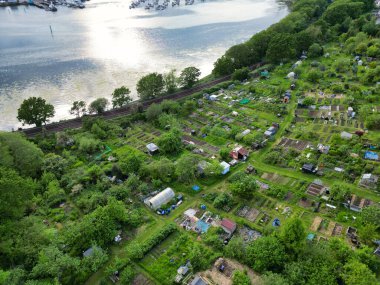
x=225 y=278
x=316 y=224
x=250 y=214
x=273 y=177
x=141 y=280
x=296 y=144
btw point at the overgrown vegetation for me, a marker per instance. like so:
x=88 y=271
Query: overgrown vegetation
x=73 y=203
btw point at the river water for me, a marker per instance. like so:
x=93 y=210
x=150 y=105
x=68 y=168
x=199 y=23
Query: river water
x=92 y=51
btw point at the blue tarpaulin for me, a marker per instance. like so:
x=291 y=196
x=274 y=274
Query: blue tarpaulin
x=310 y=237
x=196 y=188
x=203 y=226
x=276 y=222
x=371 y=155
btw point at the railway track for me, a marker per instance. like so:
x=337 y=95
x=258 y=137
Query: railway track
x=114 y=113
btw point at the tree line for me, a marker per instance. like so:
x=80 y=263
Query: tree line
x=35 y=110
x=310 y=24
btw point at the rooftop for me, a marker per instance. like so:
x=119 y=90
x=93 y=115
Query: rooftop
x=152 y=147
x=228 y=224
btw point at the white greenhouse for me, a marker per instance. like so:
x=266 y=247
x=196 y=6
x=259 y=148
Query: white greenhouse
x=160 y=199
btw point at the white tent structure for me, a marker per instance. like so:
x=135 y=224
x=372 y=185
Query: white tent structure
x=291 y=75
x=152 y=148
x=160 y=199
x=226 y=167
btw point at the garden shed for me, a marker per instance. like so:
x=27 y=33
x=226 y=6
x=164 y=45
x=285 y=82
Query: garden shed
x=213 y=97
x=246 y=132
x=309 y=168
x=202 y=166
x=228 y=226
x=160 y=199
x=90 y=251
x=369 y=180
x=345 y=135
x=323 y=148
x=291 y=75
x=239 y=153
x=226 y=167
x=357 y=203
x=152 y=148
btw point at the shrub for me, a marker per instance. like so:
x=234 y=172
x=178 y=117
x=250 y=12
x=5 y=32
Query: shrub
x=241 y=74
x=373 y=122
x=153 y=112
x=373 y=51
x=88 y=145
x=137 y=250
x=315 y=50
x=314 y=76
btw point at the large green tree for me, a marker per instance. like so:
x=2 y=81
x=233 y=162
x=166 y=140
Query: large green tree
x=98 y=106
x=242 y=55
x=266 y=253
x=53 y=263
x=78 y=108
x=54 y=163
x=35 y=110
x=293 y=235
x=18 y=153
x=189 y=76
x=99 y=227
x=371 y=215
x=150 y=86
x=21 y=241
x=281 y=47
x=245 y=187
x=235 y=249
x=356 y=273
x=15 y=194
x=186 y=167
x=162 y=169
x=171 y=81
x=170 y=142
x=120 y=97
x=223 y=66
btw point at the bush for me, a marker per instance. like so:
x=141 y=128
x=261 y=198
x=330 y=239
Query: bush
x=241 y=74
x=373 y=122
x=137 y=250
x=224 y=153
x=222 y=200
x=170 y=106
x=153 y=112
x=18 y=153
x=98 y=106
x=171 y=142
x=315 y=50
x=314 y=76
x=373 y=51
x=342 y=65
x=88 y=145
